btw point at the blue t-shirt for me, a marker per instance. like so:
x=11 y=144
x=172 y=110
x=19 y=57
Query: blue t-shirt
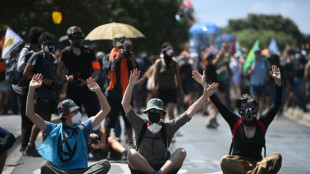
x=259 y=74
x=55 y=149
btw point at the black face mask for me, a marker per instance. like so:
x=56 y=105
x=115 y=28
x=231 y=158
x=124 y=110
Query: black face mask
x=154 y=117
x=168 y=60
x=76 y=43
x=249 y=123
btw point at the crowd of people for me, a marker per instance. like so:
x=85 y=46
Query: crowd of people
x=80 y=80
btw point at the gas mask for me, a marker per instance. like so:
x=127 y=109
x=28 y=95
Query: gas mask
x=76 y=43
x=77 y=118
x=48 y=47
x=248 y=112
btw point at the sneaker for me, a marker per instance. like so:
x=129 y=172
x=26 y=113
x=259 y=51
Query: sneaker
x=124 y=155
x=31 y=151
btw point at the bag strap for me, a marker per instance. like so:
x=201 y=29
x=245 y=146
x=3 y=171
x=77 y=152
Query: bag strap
x=238 y=123
x=141 y=135
x=82 y=126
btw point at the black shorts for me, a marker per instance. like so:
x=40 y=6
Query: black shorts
x=167 y=95
x=83 y=96
x=45 y=107
x=116 y=109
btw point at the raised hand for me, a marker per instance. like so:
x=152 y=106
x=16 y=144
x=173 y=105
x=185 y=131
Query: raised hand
x=199 y=78
x=92 y=85
x=276 y=74
x=134 y=77
x=36 y=81
x=209 y=90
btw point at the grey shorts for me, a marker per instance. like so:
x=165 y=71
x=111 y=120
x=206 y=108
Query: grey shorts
x=4 y=86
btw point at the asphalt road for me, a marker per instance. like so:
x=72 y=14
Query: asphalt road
x=204 y=147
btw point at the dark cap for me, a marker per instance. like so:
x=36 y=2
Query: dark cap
x=66 y=107
x=257 y=50
x=155 y=103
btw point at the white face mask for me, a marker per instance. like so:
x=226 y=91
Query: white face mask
x=76 y=119
x=169 y=52
x=154 y=128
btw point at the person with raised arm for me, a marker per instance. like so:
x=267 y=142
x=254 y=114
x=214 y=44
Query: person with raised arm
x=65 y=148
x=153 y=135
x=248 y=131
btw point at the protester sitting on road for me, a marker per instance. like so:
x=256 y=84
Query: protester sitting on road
x=7 y=139
x=101 y=145
x=248 y=132
x=65 y=148
x=154 y=136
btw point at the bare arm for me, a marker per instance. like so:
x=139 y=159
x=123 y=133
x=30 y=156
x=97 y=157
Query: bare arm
x=179 y=80
x=36 y=119
x=61 y=73
x=207 y=92
x=133 y=80
x=28 y=72
x=105 y=107
x=157 y=62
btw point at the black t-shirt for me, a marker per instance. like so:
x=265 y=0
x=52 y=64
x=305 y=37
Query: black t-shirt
x=211 y=73
x=79 y=66
x=243 y=146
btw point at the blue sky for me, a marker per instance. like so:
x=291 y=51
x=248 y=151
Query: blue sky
x=220 y=11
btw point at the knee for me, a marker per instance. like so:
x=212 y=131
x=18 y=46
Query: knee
x=181 y=153
x=224 y=161
x=132 y=154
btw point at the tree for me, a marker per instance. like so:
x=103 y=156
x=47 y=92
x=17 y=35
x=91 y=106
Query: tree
x=264 y=27
x=155 y=19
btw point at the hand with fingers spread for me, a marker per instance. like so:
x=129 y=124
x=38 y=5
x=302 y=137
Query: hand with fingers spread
x=92 y=85
x=208 y=91
x=276 y=74
x=134 y=77
x=201 y=79
x=36 y=81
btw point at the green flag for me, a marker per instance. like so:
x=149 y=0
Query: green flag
x=251 y=57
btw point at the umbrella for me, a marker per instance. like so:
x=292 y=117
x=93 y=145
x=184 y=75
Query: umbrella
x=204 y=27
x=225 y=37
x=107 y=31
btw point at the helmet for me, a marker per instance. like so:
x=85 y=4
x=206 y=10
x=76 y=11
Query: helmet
x=75 y=32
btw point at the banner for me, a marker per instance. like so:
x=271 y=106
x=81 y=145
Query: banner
x=12 y=41
x=273 y=46
x=251 y=57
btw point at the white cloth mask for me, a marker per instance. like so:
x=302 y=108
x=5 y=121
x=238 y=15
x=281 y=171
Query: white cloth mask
x=169 y=52
x=77 y=118
x=154 y=128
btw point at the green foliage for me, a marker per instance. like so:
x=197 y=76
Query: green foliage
x=263 y=28
x=155 y=19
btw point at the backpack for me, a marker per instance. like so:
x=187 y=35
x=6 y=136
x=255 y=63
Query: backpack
x=2 y=70
x=12 y=76
x=164 y=137
x=237 y=124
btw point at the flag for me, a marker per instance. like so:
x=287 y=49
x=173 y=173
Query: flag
x=251 y=56
x=273 y=46
x=12 y=41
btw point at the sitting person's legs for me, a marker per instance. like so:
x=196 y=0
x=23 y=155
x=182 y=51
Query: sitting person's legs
x=236 y=164
x=174 y=162
x=271 y=164
x=137 y=162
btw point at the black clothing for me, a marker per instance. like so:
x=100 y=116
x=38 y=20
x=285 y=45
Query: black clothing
x=81 y=67
x=211 y=73
x=78 y=65
x=243 y=146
